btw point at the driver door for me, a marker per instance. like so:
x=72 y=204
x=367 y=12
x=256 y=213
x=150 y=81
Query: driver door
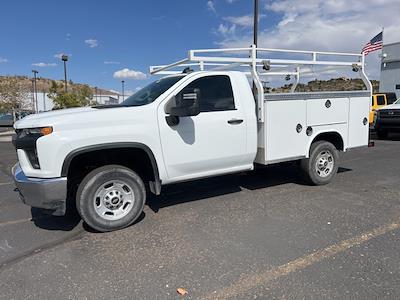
x=212 y=142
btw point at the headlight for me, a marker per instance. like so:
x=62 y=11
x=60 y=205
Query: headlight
x=26 y=140
x=40 y=131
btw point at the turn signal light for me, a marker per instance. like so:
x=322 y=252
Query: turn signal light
x=46 y=130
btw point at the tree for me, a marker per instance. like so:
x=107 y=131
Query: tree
x=77 y=96
x=13 y=95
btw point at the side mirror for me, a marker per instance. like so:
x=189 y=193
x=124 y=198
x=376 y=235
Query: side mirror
x=187 y=103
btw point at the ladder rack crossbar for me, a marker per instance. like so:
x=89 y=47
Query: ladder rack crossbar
x=259 y=66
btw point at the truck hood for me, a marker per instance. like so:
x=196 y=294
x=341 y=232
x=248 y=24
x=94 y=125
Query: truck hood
x=52 y=117
x=391 y=106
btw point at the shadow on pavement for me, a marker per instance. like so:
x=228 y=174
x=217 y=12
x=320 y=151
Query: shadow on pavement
x=263 y=177
x=45 y=221
x=392 y=136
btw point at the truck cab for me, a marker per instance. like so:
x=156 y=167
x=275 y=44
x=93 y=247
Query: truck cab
x=379 y=101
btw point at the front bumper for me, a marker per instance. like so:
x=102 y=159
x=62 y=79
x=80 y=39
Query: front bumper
x=387 y=124
x=50 y=194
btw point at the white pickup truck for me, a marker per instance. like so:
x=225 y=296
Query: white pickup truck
x=186 y=126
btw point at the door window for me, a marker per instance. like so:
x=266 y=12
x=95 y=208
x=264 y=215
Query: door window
x=380 y=100
x=216 y=93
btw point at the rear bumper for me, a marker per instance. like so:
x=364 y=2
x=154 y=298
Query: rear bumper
x=43 y=193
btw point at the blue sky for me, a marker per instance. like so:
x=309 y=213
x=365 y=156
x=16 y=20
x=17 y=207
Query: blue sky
x=104 y=37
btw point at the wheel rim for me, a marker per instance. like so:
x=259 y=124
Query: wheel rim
x=113 y=200
x=325 y=163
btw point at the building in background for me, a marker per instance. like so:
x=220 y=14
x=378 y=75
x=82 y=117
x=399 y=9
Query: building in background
x=390 y=69
x=104 y=97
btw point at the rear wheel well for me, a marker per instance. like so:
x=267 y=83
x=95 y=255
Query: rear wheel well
x=82 y=163
x=332 y=137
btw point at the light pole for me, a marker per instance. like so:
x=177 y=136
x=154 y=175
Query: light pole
x=35 y=90
x=95 y=93
x=123 y=90
x=255 y=32
x=64 y=58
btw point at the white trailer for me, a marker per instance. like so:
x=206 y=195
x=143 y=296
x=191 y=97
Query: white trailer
x=189 y=125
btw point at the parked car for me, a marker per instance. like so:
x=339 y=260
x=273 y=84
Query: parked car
x=8 y=119
x=378 y=101
x=387 y=120
x=185 y=126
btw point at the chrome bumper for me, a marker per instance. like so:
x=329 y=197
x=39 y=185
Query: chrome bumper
x=43 y=193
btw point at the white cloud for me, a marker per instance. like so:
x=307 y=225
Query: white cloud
x=68 y=36
x=3 y=60
x=246 y=20
x=43 y=65
x=211 y=6
x=129 y=74
x=60 y=54
x=230 y=1
x=92 y=43
x=326 y=25
x=227 y=30
x=111 y=62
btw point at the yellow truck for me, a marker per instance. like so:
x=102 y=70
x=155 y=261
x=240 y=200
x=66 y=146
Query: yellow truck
x=378 y=101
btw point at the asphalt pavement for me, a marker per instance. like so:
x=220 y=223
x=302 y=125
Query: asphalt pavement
x=263 y=234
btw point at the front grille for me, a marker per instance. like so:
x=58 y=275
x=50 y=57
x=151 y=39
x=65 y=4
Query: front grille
x=389 y=114
x=33 y=158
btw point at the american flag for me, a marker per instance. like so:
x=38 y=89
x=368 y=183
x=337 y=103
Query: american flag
x=375 y=44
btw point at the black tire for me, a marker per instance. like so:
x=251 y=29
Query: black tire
x=382 y=134
x=95 y=181
x=313 y=173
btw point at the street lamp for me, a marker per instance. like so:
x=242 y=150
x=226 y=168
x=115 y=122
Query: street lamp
x=123 y=90
x=255 y=32
x=64 y=58
x=255 y=36
x=35 y=90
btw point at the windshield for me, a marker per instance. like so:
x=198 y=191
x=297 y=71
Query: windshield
x=151 y=92
x=397 y=101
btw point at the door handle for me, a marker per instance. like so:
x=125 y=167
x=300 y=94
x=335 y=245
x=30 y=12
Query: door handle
x=235 y=121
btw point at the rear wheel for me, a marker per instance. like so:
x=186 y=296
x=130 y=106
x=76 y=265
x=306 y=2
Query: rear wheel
x=110 y=198
x=323 y=163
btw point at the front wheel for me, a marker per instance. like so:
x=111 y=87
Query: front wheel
x=110 y=198
x=323 y=163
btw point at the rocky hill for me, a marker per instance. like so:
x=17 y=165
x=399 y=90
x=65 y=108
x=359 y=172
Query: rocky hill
x=336 y=84
x=43 y=84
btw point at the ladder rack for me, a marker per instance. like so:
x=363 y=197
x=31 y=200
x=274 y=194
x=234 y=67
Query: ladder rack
x=252 y=63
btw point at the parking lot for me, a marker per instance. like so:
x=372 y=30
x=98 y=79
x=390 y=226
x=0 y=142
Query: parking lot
x=264 y=234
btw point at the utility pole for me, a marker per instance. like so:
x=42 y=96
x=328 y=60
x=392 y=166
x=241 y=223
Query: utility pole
x=255 y=33
x=33 y=94
x=95 y=93
x=123 y=90
x=35 y=90
x=44 y=101
x=64 y=58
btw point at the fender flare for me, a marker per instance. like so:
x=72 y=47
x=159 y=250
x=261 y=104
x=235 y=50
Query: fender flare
x=324 y=132
x=155 y=186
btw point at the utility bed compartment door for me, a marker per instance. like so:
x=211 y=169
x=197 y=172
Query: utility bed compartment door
x=327 y=111
x=358 y=126
x=285 y=130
